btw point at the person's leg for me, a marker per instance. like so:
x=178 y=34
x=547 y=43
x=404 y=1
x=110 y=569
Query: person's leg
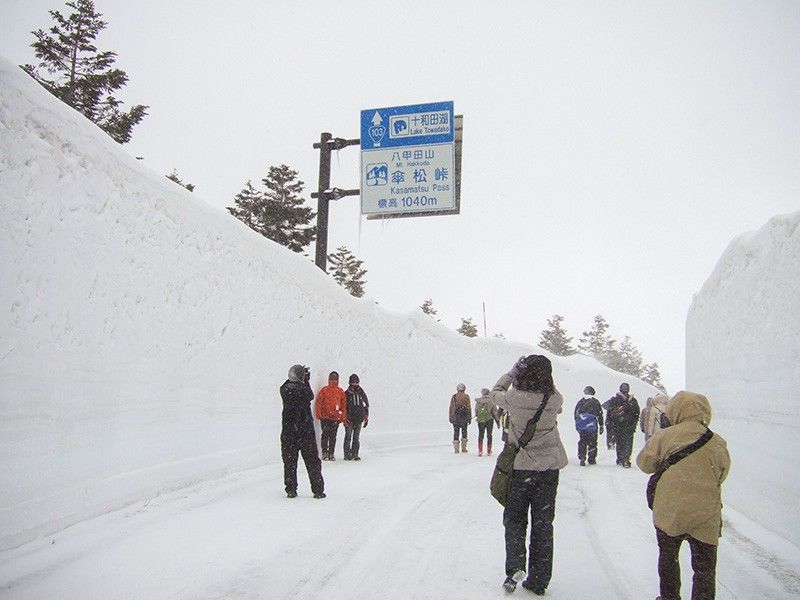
x=481 y=433
x=543 y=511
x=704 y=565
x=582 y=446
x=489 y=427
x=464 y=437
x=289 y=449
x=591 y=442
x=308 y=449
x=627 y=445
x=356 y=443
x=515 y=522
x=325 y=426
x=348 y=440
x=334 y=430
x=669 y=569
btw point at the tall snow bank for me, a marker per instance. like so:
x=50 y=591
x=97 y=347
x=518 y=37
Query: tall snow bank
x=144 y=334
x=742 y=351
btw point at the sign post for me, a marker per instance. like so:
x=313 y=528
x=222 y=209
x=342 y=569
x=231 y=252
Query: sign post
x=408 y=161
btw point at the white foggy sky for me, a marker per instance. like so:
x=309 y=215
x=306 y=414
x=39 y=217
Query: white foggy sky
x=612 y=150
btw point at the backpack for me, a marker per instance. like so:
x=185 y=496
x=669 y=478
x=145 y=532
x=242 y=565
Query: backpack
x=586 y=422
x=483 y=414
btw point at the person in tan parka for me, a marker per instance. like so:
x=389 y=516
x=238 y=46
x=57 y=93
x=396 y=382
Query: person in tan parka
x=650 y=418
x=688 y=498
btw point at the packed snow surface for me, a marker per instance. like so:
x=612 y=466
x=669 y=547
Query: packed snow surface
x=143 y=337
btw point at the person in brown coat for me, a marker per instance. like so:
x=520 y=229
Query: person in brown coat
x=460 y=416
x=688 y=497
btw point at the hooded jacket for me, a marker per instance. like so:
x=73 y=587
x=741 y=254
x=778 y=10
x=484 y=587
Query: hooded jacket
x=688 y=497
x=331 y=402
x=545 y=451
x=649 y=420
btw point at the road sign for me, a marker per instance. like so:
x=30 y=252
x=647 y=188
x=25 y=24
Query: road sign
x=408 y=159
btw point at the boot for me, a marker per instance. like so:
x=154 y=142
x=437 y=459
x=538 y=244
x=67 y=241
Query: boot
x=488 y=447
x=455 y=446
x=480 y=447
x=464 y=445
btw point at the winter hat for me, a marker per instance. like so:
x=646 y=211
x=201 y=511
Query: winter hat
x=624 y=388
x=461 y=387
x=484 y=392
x=296 y=372
x=333 y=376
x=353 y=379
x=589 y=390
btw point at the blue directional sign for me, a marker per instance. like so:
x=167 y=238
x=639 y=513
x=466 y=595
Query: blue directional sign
x=407 y=159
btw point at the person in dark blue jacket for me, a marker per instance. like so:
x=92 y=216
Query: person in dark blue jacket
x=357 y=416
x=297 y=433
x=588 y=420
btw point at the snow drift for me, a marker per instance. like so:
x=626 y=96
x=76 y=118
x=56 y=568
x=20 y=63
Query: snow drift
x=144 y=334
x=742 y=349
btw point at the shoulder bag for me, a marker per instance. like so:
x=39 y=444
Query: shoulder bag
x=501 y=477
x=671 y=460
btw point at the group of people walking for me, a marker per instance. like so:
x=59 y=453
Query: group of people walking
x=486 y=414
x=688 y=463
x=333 y=406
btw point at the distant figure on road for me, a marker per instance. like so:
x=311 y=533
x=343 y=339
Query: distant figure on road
x=331 y=409
x=485 y=414
x=688 y=497
x=297 y=433
x=534 y=480
x=651 y=417
x=623 y=415
x=588 y=420
x=460 y=416
x=357 y=416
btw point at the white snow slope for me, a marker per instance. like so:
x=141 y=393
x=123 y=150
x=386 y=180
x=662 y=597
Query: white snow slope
x=143 y=336
x=743 y=350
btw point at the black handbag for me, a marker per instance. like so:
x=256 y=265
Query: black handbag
x=501 y=476
x=650 y=492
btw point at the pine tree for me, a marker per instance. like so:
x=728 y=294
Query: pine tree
x=80 y=75
x=279 y=213
x=651 y=375
x=631 y=357
x=346 y=270
x=174 y=177
x=596 y=342
x=555 y=339
x=427 y=308
x=468 y=328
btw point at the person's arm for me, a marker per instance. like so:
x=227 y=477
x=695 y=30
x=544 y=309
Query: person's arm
x=649 y=456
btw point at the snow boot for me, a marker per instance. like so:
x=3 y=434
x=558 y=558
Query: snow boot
x=510 y=584
x=464 y=445
x=480 y=448
x=532 y=588
x=320 y=495
x=583 y=463
x=291 y=494
x=455 y=446
x=489 y=448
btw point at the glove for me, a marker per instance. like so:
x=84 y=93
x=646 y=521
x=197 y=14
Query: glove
x=306 y=374
x=365 y=422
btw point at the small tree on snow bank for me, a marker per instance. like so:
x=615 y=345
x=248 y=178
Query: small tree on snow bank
x=346 y=270
x=468 y=328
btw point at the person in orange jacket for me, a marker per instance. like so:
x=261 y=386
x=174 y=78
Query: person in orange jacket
x=331 y=409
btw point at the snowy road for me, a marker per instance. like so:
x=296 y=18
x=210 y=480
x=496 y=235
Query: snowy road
x=403 y=523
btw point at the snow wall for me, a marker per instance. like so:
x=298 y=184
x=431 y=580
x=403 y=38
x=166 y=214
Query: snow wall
x=144 y=333
x=743 y=352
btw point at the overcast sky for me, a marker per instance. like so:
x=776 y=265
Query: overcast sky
x=612 y=150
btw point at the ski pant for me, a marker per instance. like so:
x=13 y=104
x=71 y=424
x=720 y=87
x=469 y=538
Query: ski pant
x=610 y=438
x=462 y=427
x=305 y=443
x=704 y=565
x=624 y=436
x=485 y=427
x=534 y=492
x=352 y=434
x=587 y=442
x=328 y=438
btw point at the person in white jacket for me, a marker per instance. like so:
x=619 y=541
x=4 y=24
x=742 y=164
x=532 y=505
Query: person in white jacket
x=534 y=480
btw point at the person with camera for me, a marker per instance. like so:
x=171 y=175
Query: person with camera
x=534 y=479
x=297 y=432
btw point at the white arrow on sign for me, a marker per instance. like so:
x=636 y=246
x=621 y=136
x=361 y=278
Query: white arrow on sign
x=376 y=119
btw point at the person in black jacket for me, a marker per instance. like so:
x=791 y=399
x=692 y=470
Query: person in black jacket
x=623 y=414
x=297 y=433
x=357 y=416
x=588 y=419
